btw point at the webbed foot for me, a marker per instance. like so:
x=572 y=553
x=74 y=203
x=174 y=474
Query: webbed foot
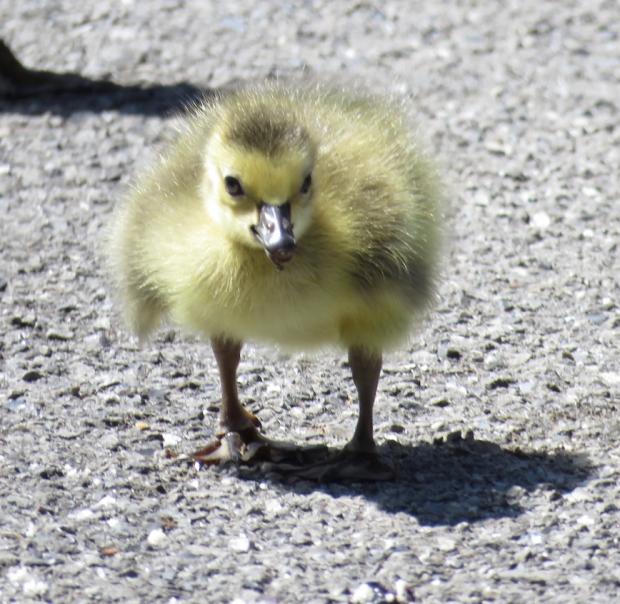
x=248 y=446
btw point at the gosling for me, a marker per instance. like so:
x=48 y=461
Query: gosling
x=300 y=215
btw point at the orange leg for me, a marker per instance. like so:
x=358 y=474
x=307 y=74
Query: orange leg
x=238 y=438
x=366 y=369
x=234 y=417
x=359 y=459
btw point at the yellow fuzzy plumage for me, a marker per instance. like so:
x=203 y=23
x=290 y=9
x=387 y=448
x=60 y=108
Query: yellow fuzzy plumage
x=181 y=249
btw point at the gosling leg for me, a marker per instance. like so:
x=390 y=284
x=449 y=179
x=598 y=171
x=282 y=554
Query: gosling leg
x=365 y=370
x=359 y=459
x=238 y=438
x=234 y=417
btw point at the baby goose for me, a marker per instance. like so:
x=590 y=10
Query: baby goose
x=295 y=214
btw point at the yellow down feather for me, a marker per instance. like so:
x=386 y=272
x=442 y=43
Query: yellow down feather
x=181 y=248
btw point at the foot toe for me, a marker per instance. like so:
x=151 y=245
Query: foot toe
x=248 y=446
x=227 y=447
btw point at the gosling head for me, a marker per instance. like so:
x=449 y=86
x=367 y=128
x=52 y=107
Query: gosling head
x=258 y=173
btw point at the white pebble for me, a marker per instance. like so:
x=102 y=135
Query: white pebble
x=364 y=593
x=481 y=198
x=610 y=378
x=32 y=586
x=82 y=515
x=157 y=538
x=578 y=495
x=585 y=520
x=589 y=191
x=240 y=544
x=536 y=539
x=18 y=574
x=541 y=220
x=35 y=587
x=171 y=440
x=106 y=502
x=446 y=544
x=273 y=506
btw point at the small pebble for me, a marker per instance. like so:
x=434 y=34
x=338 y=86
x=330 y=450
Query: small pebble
x=446 y=544
x=611 y=378
x=170 y=440
x=240 y=544
x=364 y=593
x=35 y=587
x=106 y=502
x=541 y=220
x=157 y=538
x=273 y=506
x=83 y=515
x=17 y=574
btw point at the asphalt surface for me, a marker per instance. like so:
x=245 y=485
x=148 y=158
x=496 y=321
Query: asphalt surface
x=502 y=413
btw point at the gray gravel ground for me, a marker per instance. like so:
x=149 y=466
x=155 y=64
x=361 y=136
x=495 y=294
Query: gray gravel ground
x=521 y=102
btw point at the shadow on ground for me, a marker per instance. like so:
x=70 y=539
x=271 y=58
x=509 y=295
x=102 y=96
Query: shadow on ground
x=459 y=479
x=96 y=96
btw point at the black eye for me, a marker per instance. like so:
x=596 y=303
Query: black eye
x=305 y=186
x=233 y=186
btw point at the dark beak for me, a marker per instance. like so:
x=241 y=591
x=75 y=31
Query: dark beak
x=275 y=232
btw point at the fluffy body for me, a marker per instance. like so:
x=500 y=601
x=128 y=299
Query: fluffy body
x=366 y=240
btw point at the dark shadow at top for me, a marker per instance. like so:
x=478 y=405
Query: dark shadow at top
x=457 y=480
x=31 y=91
x=96 y=96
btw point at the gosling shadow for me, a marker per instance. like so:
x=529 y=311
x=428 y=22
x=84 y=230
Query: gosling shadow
x=459 y=479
